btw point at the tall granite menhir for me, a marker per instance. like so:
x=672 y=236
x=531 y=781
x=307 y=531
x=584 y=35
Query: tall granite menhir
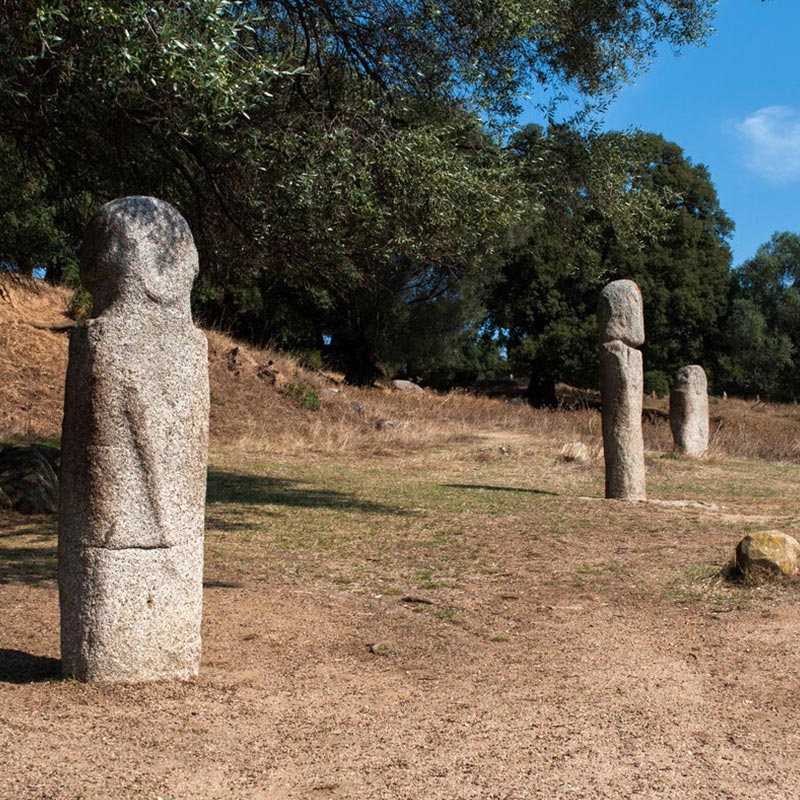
x=621 y=329
x=134 y=444
x=688 y=411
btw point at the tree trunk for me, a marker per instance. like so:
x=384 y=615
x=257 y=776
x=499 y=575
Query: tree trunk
x=359 y=366
x=541 y=392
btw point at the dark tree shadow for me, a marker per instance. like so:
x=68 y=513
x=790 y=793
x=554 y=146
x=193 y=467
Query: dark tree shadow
x=31 y=564
x=19 y=667
x=28 y=564
x=487 y=488
x=27 y=547
x=232 y=488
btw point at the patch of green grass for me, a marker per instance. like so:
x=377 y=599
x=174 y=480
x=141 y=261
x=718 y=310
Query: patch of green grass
x=28 y=549
x=423 y=579
x=396 y=524
x=303 y=393
x=452 y=615
x=440 y=539
x=684 y=596
x=36 y=440
x=701 y=572
x=25 y=564
x=586 y=572
x=712 y=586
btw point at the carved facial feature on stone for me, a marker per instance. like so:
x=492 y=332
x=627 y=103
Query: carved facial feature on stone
x=620 y=315
x=138 y=249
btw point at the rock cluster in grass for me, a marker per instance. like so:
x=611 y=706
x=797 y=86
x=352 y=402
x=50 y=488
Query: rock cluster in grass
x=688 y=411
x=134 y=448
x=621 y=330
x=768 y=551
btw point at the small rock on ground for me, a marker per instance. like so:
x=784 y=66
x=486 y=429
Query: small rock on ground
x=577 y=452
x=771 y=551
x=407 y=386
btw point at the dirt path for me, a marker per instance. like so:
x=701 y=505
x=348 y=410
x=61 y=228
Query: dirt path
x=558 y=663
x=587 y=698
x=345 y=697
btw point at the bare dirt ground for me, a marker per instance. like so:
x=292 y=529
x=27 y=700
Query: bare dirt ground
x=446 y=624
x=443 y=609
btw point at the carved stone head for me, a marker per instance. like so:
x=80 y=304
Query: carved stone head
x=620 y=315
x=138 y=251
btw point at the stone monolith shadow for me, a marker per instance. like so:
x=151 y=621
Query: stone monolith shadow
x=134 y=452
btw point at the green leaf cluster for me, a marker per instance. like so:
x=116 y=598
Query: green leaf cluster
x=32 y=222
x=762 y=330
x=342 y=163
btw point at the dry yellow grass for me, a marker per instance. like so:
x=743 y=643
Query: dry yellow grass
x=741 y=428
x=33 y=357
x=260 y=400
x=250 y=414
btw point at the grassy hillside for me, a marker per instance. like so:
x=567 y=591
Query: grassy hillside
x=262 y=399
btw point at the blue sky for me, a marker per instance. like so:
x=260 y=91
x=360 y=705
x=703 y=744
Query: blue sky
x=733 y=105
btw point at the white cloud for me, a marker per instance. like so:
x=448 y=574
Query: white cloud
x=772 y=138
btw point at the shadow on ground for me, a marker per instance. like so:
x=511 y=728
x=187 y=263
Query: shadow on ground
x=17 y=666
x=232 y=488
x=32 y=557
x=488 y=488
x=28 y=564
x=221 y=585
x=27 y=547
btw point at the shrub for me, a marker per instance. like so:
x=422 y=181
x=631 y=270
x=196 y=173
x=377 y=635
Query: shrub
x=79 y=306
x=312 y=359
x=304 y=393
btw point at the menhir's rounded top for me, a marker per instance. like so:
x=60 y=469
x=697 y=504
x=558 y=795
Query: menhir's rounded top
x=690 y=378
x=138 y=250
x=620 y=314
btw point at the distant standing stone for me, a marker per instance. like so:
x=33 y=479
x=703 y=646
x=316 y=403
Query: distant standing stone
x=688 y=411
x=621 y=329
x=134 y=444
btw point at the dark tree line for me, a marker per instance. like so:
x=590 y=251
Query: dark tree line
x=347 y=169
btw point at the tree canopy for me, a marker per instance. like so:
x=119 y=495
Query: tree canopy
x=684 y=270
x=620 y=206
x=341 y=163
x=763 y=326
